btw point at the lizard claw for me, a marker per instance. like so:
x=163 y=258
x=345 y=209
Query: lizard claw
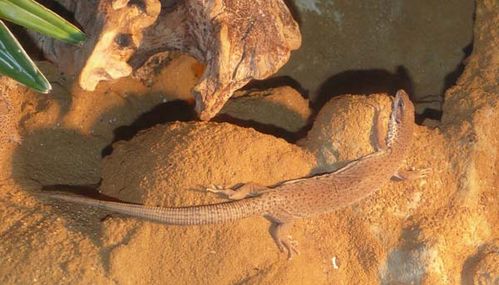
x=420 y=173
x=424 y=172
x=412 y=174
x=245 y=191
x=227 y=193
x=290 y=245
x=284 y=242
x=221 y=191
x=214 y=188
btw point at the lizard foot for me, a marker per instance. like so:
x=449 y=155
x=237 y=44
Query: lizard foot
x=245 y=191
x=218 y=189
x=289 y=246
x=284 y=242
x=412 y=174
x=226 y=193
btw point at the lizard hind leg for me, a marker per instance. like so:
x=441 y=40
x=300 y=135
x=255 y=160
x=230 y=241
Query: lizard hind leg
x=245 y=191
x=279 y=230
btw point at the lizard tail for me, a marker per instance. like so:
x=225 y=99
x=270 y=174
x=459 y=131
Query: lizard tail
x=195 y=215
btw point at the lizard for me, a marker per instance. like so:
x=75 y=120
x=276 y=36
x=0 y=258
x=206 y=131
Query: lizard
x=287 y=201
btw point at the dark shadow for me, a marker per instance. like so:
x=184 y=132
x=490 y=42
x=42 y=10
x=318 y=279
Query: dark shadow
x=91 y=220
x=177 y=110
x=168 y=6
x=89 y=191
x=294 y=10
x=61 y=159
x=137 y=3
x=403 y=264
x=471 y=263
x=26 y=41
x=451 y=78
x=268 y=129
x=88 y=224
x=60 y=10
x=428 y=113
x=278 y=111
x=277 y=81
x=363 y=82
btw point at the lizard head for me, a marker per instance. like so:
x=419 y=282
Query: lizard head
x=403 y=109
x=402 y=117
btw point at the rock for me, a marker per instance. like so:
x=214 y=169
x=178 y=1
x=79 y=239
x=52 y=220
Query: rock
x=236 y=40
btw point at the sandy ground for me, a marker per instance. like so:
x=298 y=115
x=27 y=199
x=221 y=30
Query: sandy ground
x=437 y=230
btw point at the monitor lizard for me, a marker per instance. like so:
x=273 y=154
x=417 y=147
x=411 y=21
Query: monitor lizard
x=300 y=198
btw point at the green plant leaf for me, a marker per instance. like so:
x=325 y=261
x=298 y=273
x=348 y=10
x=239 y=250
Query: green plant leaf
x=34 y=16
x=15 y=63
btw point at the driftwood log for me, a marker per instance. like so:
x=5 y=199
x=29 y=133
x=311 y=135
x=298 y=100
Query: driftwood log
x=237 y=40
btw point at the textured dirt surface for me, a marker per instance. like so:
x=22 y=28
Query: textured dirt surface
x=437 y=230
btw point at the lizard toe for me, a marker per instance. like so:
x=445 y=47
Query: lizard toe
x=291 y=247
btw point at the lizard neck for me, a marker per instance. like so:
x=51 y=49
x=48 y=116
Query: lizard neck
x=363 y=177
x=400 y=127
x=401 y=143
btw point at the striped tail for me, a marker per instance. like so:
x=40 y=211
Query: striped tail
x=195 y=215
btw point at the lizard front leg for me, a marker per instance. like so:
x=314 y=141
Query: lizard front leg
x=245 y=191
x=403 y=174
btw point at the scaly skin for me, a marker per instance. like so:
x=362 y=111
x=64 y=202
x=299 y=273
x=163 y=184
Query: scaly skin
x=300 y=198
